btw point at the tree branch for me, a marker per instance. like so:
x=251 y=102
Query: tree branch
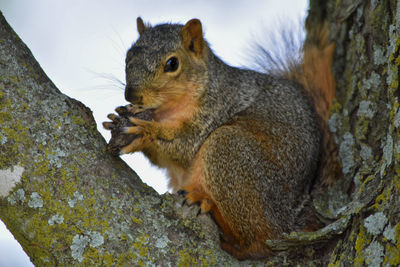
x=67 y=201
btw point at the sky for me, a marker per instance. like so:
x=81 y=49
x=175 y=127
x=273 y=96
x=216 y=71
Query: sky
x=81 y=45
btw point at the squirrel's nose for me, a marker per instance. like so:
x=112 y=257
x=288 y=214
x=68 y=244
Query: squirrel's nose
x=131 y=96
x=128 y=92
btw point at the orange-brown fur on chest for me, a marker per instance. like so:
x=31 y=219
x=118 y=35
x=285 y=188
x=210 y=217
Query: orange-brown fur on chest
x=171 y=116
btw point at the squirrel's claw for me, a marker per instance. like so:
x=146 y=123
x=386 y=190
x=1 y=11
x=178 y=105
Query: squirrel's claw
x=194 y=196
x=112 y=116
x=182 y=192
x=121 y=110
x=108 y=125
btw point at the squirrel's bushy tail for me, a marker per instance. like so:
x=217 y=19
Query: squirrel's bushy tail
x=308 y=62
x=317 y=79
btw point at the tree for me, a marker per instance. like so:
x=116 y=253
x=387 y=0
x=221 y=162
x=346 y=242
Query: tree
x=365 y=122
x=68 y=202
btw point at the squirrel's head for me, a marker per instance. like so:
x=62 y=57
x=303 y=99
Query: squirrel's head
x=166 y=62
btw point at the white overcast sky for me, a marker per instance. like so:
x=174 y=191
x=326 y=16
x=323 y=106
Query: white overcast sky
x=80 y=43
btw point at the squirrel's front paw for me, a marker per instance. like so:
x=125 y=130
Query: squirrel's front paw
x=120 y=142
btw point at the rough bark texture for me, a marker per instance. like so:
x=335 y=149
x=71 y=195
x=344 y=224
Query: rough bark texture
x=73 y=204
x=366 y=121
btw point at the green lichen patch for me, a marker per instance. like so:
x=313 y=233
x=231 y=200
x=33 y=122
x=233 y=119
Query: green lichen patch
x=392 y=255
x=362 y=242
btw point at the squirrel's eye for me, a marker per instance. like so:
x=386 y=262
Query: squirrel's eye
x=171 y=65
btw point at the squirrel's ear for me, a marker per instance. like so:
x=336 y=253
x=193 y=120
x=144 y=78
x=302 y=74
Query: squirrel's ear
x=140 y=25
x=192 y=36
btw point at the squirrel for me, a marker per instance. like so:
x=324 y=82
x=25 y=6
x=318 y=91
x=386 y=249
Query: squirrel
x=246 y=146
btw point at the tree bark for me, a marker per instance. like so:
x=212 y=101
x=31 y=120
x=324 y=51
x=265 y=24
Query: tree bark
x=69 y=203
x=365 y=121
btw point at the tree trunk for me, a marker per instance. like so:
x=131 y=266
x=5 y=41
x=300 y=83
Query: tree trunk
x=69 y=203
x=365 y=122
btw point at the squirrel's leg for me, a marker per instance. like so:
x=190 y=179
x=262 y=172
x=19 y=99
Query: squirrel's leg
x=196 y=192
x=232 y=170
